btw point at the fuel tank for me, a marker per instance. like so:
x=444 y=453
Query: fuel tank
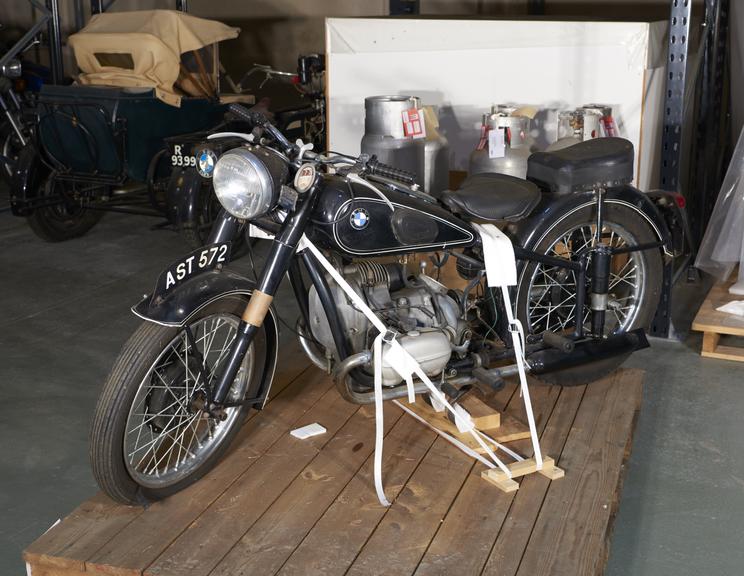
x=351 y=219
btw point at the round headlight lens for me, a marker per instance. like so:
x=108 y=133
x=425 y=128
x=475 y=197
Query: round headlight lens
x=243 y=184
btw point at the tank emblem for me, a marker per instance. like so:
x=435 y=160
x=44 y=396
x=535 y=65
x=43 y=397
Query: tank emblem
x=359 y=219
x=205 y=161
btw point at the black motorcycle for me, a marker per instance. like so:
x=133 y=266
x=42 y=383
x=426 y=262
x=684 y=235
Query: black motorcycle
x=590 y=250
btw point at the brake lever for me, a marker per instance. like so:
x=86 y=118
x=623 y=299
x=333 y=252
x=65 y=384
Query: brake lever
x=357 y=179
x=248 y=137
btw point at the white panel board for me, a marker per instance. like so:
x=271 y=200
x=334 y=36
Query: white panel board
x=465 y=66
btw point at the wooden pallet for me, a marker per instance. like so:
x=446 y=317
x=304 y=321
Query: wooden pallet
x=714 y=324
x=279 y=505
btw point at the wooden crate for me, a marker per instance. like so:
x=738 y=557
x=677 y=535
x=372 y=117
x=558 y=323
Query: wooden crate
x=714 y=324
x=279 y=505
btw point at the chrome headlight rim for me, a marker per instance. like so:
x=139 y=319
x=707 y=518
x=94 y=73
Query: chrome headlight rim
x=248 y=189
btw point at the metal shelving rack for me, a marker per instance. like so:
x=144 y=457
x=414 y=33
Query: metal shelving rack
x=710 y=142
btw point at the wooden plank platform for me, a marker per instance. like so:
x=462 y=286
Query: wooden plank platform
x=714 y=324
x=279 y=505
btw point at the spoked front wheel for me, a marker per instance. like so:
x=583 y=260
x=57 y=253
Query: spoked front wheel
x=151 y=436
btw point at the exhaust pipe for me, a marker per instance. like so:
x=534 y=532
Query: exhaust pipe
x=348 y=390
x=587 y=352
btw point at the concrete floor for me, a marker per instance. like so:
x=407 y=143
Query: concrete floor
x=65 y=315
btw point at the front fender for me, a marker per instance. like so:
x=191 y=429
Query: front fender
x=184 y=301
x=527 y=233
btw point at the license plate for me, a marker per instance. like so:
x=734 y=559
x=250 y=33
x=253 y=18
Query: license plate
x=179 y=158
x=197 y=262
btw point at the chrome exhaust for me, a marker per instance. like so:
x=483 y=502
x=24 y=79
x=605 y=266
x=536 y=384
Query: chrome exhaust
x=346 y=386
x=309 y=348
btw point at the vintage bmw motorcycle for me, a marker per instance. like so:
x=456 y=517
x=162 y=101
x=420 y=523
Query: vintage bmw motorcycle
x=590 y=251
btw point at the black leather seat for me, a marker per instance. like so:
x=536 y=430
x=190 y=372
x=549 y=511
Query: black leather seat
x=493 y=197
x=602 y=162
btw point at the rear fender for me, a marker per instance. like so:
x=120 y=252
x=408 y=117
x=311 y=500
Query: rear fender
x=528 y=233
x=177 y=307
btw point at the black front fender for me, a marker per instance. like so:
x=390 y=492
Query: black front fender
x=177 y=307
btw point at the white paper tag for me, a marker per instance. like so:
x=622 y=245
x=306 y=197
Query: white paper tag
x=307 y=431
x=498 y=254
x=413 y=123
x=496 y=144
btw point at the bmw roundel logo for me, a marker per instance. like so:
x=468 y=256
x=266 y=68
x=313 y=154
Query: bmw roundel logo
x=359 y=219
x=205 y=161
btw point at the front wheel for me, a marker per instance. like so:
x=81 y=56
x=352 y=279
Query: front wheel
x=150 y=436
x=546 y=295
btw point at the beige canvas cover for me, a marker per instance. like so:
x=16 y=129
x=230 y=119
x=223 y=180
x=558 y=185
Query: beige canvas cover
x=150 y=43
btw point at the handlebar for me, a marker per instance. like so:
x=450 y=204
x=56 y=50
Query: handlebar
x=258 y=119
x=372 y=166
x=377 y=168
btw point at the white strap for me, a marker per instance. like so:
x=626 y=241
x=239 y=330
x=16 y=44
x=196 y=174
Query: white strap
x=465 y=448
x=501 y=270
x=403 y=363
x=379 y=427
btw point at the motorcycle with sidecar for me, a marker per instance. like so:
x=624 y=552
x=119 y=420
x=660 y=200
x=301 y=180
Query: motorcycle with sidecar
x=101 y=144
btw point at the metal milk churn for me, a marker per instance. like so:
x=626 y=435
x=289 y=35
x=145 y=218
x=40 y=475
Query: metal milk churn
x=515 y=124
x=436 y=155
x=585 y=123
x=384 y=135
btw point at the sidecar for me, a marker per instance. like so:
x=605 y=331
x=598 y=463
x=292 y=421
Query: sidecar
x=101 y=143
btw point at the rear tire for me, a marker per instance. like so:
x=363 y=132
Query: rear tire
x=635 y=288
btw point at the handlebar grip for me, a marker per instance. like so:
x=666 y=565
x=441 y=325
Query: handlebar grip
x=376 y=167
x=244 y=114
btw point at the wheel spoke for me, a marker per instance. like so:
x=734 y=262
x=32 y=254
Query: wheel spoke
x=166 y=436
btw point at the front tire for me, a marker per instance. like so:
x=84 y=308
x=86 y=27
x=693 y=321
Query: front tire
x=150 y=437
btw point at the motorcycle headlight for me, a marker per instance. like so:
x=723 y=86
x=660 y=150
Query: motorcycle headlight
x=247 y=185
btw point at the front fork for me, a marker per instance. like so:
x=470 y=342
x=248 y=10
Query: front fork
x=278 y=262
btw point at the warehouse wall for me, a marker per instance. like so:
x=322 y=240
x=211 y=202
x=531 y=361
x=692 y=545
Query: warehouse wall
x=275 y=31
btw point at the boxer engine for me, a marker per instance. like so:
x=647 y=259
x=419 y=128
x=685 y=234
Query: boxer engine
x=427 y=318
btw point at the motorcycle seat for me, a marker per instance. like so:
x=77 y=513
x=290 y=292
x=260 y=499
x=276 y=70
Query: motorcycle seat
x=601 y=162
x=493 y=197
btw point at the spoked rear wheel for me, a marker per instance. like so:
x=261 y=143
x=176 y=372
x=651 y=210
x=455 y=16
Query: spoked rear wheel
x=151 y=436
x=546 y=295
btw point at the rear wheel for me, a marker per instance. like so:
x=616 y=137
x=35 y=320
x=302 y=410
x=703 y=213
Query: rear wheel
x=150 y=435
x=65 y=218
x=546 y=295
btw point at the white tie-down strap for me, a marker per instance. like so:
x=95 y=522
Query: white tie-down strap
x=501 y=271
x=404 y=364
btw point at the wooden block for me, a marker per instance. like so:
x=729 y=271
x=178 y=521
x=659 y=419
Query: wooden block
x=710 y=341
x=504 y=484
x=554 y=473
x=725 y=353
x=484 y=417
x=522 y=468
x=510 y=430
